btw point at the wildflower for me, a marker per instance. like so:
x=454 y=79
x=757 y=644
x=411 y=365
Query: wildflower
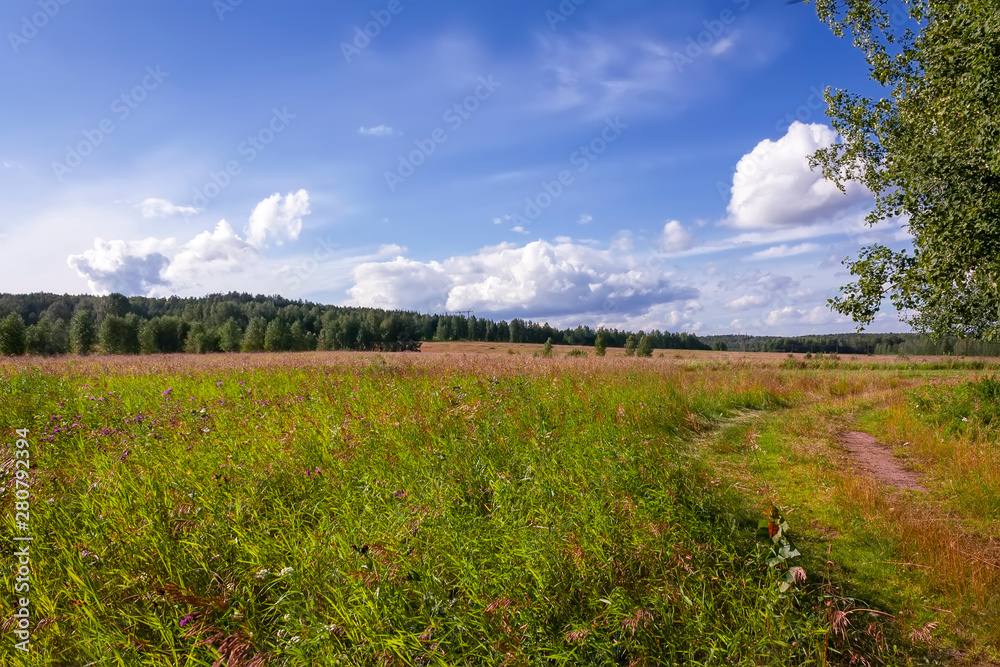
x=285 y=572
x=286 y=617
x=261 y=573
x=167 y=392
x=187 y=619
x=218 y=384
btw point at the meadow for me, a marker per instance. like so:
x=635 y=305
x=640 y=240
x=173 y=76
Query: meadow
x=475 y=504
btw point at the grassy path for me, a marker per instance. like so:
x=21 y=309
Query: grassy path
x=930 y=560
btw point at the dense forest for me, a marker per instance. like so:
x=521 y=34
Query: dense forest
x=856 y=343
x=50 y=324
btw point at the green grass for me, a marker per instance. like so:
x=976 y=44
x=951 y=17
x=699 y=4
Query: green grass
x=563 y=512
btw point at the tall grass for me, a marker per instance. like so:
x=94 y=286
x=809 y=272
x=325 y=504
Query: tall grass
x=372 y=512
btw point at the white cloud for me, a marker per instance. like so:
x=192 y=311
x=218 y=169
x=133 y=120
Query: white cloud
x=790 y=315
x=675 y=238
x=401 y=283
x=387 y=250
x=769 y=282
x=773 y=186
x=602 y=74
x=128 y=267
x=161 y=208
x=664 y=317
x=160 y=266
x=586 y=219
x=722 y=46
x=377 y=131
x=784 y=250
x=210 y=254
x=537 y=280
x=278 y=218
x=748 y=301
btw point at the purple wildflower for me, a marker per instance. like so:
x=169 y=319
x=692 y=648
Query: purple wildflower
x=218 y=384
x=167 y=392
x=187 y=619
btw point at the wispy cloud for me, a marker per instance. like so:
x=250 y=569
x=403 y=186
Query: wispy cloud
x=783 y=250
x=377 y=131
x=161 y=208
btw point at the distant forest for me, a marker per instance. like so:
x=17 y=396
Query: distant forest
x=50 y=324
x=855 y=343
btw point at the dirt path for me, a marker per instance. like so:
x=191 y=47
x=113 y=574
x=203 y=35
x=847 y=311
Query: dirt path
x=871 y=455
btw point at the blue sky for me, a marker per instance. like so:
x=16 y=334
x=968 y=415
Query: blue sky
x=632 y=163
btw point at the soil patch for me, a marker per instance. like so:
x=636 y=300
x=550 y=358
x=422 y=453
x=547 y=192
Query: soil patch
x=873 y=456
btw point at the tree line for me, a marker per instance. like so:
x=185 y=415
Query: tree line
x=856 y=343
x=50 y=324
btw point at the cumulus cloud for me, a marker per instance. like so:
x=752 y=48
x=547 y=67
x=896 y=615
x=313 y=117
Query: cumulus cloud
x=537 y=280
x=210 y=254
x=784 y=250
x=748 y=301
x=773 y=186
x=161 y=208
x=278 y=218
x=129 y=267
x=790 y=315
x=675 y=238
x=376 y=131
x=158 y=266
x=681 y=316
